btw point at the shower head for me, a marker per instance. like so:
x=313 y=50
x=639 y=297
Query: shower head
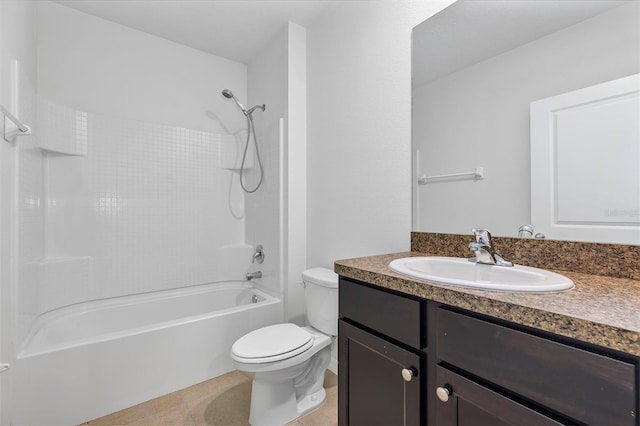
x=229 y=95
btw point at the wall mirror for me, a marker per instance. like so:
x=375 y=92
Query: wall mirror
x=478 y=66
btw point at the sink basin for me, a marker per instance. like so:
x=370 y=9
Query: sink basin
x=461 y=272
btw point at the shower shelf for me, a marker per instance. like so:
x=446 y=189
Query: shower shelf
x=12 y=126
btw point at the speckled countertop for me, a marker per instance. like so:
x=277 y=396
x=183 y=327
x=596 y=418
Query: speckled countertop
x=602 y=310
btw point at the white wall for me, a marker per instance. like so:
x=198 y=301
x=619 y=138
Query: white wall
x=96 y=65
x=479 y=116
x=141 y=194
x=17 y=42
x=359 y=129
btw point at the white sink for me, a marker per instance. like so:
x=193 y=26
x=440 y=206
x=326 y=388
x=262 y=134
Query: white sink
x=461 y=272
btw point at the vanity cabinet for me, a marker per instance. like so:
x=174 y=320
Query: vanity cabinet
x=470 y=369
x=554 y=375
x=381 y=367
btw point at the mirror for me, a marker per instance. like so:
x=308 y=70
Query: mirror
x=477 y=67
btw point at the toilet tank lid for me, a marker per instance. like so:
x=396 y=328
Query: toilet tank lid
x=321 y=276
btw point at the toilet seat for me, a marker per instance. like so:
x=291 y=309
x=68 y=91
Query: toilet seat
x=272 y=343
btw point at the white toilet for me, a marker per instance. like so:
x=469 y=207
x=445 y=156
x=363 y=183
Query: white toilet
x=288 y=362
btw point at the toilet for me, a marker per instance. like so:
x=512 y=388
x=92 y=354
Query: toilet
x=287 y=362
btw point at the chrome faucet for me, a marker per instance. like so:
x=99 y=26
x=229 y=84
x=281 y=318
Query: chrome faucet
x=258 y=255
x=483 y=249
x=526 y=231
x=254 y=275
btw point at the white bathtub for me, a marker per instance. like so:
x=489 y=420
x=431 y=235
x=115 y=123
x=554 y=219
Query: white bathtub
x=87 y=360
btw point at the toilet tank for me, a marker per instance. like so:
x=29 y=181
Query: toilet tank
x=321 y=297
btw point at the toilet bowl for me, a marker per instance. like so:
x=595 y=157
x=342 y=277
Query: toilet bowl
x=287 y=362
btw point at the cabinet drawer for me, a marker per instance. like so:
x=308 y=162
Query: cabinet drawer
x=583 y=385
x=394 y=316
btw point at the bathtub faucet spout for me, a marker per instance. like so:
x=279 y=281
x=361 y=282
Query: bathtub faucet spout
x=253 y=275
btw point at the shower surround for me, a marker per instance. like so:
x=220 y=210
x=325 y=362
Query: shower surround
x=133 y=207
x=129 y=188
x=138 y=189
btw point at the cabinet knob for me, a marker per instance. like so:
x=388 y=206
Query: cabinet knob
x=443 y=393
x=408 y=373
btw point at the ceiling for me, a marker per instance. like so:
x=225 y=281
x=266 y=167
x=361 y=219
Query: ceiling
x=471 y=31
x=238 y=29
x=234 y=29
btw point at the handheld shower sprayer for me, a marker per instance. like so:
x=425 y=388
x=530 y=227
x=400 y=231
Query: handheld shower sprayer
x=229 y=95
x=250 y=130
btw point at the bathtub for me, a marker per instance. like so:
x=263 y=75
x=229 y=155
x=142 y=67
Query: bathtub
x=84 y=361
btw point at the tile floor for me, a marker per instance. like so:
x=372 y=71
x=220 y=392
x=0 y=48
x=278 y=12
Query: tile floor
x=220 y=401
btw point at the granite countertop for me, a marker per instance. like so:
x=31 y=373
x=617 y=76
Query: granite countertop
x=600 y=309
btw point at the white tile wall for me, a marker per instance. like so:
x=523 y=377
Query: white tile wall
x=148 y=203
x=64 y=130
x=231 y=150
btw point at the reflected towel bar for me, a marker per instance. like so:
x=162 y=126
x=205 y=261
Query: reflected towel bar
x=18 y=128
x=477 y=174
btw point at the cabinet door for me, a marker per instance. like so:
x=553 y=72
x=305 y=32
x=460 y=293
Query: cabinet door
x=373 y=388
x=464 y=402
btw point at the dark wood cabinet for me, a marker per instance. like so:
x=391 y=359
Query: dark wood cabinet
x=462 y=401
x=373 y=390
x=582 y=385
x=380 y=363
x=400 y=318
x=470 y=369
